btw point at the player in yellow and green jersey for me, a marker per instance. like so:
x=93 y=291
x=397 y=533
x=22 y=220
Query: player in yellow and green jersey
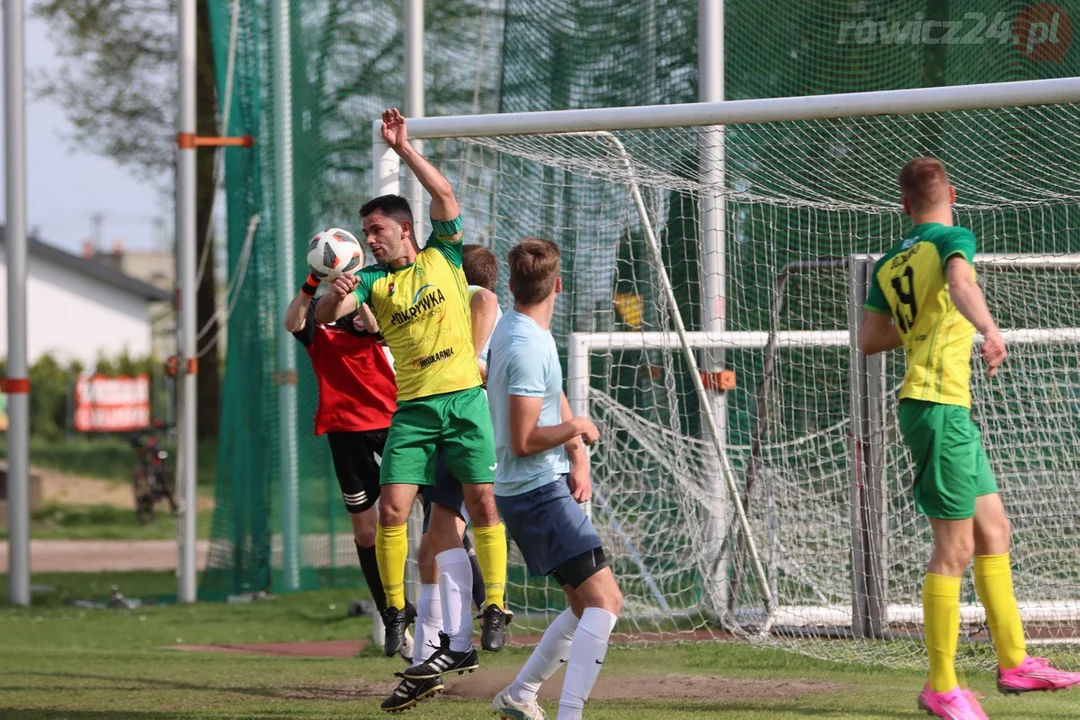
x=421 y=302
x=923 y=297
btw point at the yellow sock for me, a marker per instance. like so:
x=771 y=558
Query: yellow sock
x=993 y=581
x=941 y=613
x=491 y=554
x=391 y=551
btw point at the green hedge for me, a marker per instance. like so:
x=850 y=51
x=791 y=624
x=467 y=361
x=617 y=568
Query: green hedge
x=52 y=398
x=107 y=457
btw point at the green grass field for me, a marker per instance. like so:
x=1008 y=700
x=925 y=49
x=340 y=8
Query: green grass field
x=61 y=661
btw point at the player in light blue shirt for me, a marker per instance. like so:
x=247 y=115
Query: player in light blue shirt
x=542 y=475
x=527 y=365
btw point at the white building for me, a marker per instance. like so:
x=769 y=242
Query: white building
x=80 y=309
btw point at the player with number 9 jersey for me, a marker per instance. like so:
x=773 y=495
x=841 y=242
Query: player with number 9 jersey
x=909 y=284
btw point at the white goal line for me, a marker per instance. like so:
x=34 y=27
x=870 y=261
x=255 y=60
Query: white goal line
x=898 y=614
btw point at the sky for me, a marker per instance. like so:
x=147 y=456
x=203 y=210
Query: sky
x=65 y=188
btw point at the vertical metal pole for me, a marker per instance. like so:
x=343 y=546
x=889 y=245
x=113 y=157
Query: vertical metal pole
x=386 y=180
x=17 y=383
x=414 y=107
x=577 y=384
x=414 y=102
x=186 y=305
x=284 y=225
x=868 y=493
x=712 y=251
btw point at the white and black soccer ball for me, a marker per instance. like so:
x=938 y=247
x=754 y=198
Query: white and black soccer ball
x=334 y=252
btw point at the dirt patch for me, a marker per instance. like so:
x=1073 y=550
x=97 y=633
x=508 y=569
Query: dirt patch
x=485 y=683
x=612 y=686
x=66 y=489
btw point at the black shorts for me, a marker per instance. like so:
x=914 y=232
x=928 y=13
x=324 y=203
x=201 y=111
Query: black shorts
x=356 y=467
x=446 y=491
x=578 y=569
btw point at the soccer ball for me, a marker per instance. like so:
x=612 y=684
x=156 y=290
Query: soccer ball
x=334 y=252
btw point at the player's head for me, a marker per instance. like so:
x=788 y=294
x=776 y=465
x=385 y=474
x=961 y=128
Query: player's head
x=388 y=227
x=534 y=271
x=480 y=266
x=925 y=188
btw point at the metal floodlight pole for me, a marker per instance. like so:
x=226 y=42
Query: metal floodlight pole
x=284 y=225
x=414 y=108
x=17 y=384
x=414 y=101
x=186 y=261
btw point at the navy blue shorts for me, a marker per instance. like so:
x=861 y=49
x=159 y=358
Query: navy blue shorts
x=446 y=492
x=553 y=533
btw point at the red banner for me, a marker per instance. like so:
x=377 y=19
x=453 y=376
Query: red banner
x=112 y=404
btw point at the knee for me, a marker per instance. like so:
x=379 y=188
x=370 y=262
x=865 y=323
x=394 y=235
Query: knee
x=1002 y=529
x=365 y=537
x=426 y=560
x=393 y=511
x=480 y=503
x=953 y=559
x=364 y=526
x=613 y=602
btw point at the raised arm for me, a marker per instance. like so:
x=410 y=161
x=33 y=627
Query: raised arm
x=296 y=315
x=444 y=205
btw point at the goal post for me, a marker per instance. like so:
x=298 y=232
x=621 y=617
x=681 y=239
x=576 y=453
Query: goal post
x=821 y=548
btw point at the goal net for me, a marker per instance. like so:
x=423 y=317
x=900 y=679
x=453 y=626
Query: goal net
x=830 y=554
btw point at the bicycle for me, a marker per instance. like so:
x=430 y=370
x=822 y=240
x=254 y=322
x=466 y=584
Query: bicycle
x=149 y=479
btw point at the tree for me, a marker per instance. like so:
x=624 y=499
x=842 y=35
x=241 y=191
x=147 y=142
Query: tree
x=118 y=88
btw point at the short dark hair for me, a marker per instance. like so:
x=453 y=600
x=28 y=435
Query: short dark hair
x=534 y=267
x=924 y=183
x=393 y=206
x=480 y=266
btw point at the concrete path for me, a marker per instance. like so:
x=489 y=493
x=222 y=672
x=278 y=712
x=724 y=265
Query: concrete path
x=103 y=555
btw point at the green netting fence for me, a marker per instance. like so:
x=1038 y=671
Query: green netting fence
x=523 y=55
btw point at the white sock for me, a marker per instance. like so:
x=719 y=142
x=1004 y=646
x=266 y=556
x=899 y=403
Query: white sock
x=428 y=624
x=455 y=586
x=553 y=651
x=587 y=653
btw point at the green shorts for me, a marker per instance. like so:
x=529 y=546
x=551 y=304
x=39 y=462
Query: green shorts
x=457 y=422
x=951 y=468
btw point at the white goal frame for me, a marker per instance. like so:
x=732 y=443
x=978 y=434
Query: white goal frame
x=601 y=122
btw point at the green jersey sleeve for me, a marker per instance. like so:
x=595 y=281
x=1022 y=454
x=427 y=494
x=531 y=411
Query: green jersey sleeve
x=875 y=298
x=365 y=281
x=443 y=239
x=957 y=241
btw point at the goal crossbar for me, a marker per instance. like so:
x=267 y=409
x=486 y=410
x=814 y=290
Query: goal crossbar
x=735 y=112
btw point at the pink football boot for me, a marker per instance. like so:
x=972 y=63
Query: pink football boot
x=956 y=704
x=1035 y=673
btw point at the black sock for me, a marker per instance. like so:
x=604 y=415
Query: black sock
x=478 y=592
x=370 y=566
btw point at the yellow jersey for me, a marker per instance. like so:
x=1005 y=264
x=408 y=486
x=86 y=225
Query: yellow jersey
x=423 y=314
x=910 y=284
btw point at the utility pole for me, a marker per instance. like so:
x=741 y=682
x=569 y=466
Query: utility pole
x=98 y=221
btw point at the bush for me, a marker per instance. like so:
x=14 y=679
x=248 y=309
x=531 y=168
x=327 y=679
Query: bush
x=52 y=395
